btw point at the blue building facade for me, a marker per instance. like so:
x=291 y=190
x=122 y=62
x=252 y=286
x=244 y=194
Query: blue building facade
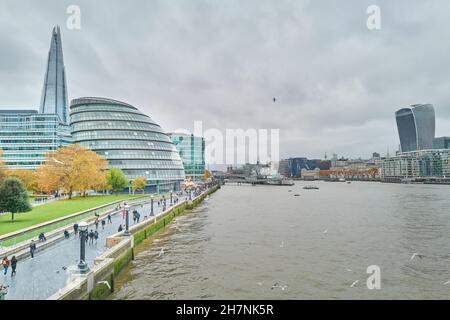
x=296 y=165
x=192 y=153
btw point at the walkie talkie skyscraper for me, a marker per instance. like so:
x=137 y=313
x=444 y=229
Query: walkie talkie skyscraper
x=416 y=127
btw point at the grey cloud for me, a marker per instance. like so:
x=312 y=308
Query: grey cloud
x=337 y=84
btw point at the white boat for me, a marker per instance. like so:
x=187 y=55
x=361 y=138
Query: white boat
x=278 y=180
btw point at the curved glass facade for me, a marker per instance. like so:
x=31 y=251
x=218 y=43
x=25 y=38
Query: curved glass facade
x=416 y=127
x=129 y=140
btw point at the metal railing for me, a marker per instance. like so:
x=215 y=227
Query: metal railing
x=67 y=222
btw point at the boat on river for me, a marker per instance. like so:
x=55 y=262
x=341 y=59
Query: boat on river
x=278 y=180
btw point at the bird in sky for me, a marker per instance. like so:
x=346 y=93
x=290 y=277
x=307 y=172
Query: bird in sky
x=354 y=284
x=279 y=286
x=415 y=254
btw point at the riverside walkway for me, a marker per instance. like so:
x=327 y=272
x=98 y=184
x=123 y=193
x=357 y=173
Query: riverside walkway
x=39 y=277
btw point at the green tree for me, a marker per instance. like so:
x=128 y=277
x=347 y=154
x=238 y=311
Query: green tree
x=116 y=179
x=139 y=184
x=14 y=197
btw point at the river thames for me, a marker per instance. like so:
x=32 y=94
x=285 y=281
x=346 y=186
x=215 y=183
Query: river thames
x=243 y=240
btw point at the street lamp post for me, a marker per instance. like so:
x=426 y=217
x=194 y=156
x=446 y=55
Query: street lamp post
x=165 y=203
x=151 y=210
x=127 y=221
x=82 y=265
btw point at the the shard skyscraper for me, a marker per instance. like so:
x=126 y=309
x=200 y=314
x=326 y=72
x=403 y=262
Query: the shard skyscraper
x=54 y=93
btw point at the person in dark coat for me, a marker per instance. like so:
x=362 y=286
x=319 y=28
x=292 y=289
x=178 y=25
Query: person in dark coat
x=32 y=248
x=91 y=237
x=13 y=266
x=96 y=236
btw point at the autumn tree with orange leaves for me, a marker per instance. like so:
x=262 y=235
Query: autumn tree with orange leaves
x=2 y=167
x=73 y=169
x=28 y=177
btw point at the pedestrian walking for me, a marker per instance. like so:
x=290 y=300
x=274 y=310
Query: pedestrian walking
x=138 y=216
x=32 y=248
x=96 y=236
x=120 y=228
x=103 y=224
x=109 y=218
x=5 y=264
x=66 y=234
x=91 y=237
x=96 y=224
x=75 y=228
x=13 y=266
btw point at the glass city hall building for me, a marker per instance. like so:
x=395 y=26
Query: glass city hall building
x=129 y=140
x=192 y=153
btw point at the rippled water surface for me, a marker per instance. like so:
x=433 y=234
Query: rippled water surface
x=243 y=240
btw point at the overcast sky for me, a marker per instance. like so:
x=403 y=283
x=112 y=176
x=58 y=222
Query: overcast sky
x=337 y=83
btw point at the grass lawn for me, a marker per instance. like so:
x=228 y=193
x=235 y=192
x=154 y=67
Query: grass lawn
x=55 y=210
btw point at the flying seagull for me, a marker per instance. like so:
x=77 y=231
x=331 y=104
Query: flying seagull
x=277 y=285
x=325 y=231
x=161 y=252
x=415 y=254
x=354 y=284
x=57 y=161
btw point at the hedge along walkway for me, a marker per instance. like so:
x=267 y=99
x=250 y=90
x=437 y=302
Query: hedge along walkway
x=55 y=210
x=162 y=222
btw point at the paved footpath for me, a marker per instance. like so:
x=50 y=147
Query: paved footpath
x=50 y=269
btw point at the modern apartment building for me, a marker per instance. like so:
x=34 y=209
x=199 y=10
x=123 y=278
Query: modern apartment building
x=192 y=153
